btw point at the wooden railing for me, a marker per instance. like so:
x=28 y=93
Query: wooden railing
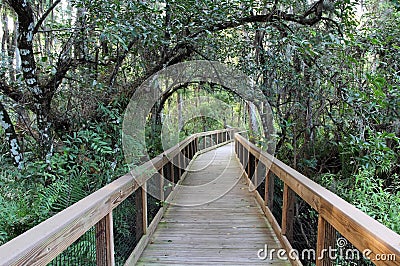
x=44 y=242
x=335 y=215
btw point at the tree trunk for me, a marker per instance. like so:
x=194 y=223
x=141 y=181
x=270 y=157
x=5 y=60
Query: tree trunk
x=11 y=137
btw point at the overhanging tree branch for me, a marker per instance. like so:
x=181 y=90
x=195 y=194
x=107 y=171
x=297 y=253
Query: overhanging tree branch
x=43 y=17
x=309 y=18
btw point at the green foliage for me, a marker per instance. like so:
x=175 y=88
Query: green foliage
x=368 y=193
x=373 y=152
x=84 y=161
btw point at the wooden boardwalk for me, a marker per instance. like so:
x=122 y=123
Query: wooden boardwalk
x=213 y=219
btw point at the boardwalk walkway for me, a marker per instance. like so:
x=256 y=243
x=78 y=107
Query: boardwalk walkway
x=213 y=219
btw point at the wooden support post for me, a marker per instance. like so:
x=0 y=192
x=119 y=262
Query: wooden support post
x=162 y=178
x=184 y=155
x=141 y=212
x=105 y=241
x=248 y=164
x=255 y=173
x=172 y=172
x=243 y=160
x=196 y=145
x=167 y=172
x=325 y=243
x=237 y=148
x=252 y=166
x=269 y=190
x=185 y=158
x=179 y=165
x=288 y=212
x=188 y=156
x=241 y=150
x=217 y=138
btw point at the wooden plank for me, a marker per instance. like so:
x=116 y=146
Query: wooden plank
x=162 y=180
x=179 y=165
x=269 y=190
x=256 y=173
x=196 y=145
x=141 y=212
x=326 y=241
x=172 y=171
x=105 y=241
x=288 y=212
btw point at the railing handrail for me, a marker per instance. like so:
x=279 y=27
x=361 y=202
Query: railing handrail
x=42 y=243
x=361 y=230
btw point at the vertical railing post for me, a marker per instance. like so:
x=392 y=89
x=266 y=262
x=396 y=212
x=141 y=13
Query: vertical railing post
x=105 y=241
x=288 y=212
x=172 y=171
x=196 y=145
x=217 y=138
x=325 y=243
x=240 y=152
x=185 y=159
x=251 y=164
x=242 y=155
x=192 y=149
x=269 y=189
x=180 y=165
x=162 y=178
x=248 y=163
x=167 y=173
x=255 y=173
x=141 y=211
x=237 y=147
